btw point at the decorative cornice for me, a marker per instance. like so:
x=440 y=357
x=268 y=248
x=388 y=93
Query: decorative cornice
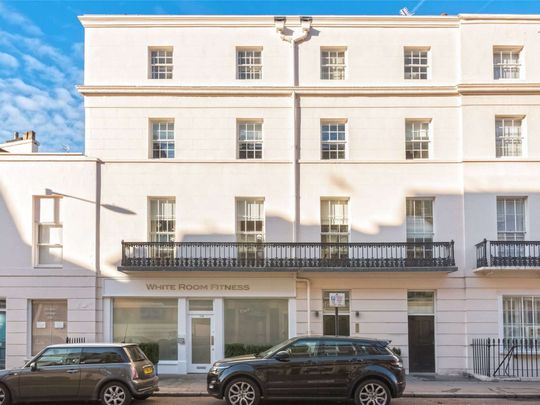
x=469 y=89
x=378 y=21
x=506 y=88
x=226 y=91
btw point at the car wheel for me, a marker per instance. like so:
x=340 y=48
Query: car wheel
x=372 y=392
x=115 y=393
x=5 y=398
x=242 y=391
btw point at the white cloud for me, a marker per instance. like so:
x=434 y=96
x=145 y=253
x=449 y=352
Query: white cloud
x=37 y=86
x=18 y=20
x=7 y=60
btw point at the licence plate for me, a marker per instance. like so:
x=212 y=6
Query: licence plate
x=148 y=370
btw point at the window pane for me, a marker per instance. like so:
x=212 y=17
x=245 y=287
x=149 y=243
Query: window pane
x=50 y=234
x=102 y=355
x=303 y=348
x=64 y=356
x=336 y=348
x=256 y=321
x=201 y=305
x=420 y=303
x=49 y=255
x=147 y=320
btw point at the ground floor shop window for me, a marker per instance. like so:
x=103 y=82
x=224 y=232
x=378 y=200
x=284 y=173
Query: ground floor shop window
x=49 y=323
x=255 y=322
x=147 y=321
x=2 y=334
x=521 y=317
x=329 y=315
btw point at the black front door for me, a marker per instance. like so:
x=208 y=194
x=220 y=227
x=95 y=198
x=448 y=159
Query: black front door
x=421 y=344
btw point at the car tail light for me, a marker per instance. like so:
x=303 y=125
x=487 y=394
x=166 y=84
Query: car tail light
x=134 y=373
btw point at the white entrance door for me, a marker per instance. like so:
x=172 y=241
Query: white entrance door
x=201 y=333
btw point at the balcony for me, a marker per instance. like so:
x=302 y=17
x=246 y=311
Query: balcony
x=507 y=255
x=288 y=257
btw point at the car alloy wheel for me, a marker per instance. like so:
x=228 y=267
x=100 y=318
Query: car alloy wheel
x=373 y=393
x=115 y=395
x=4 y=396
x=242 y=393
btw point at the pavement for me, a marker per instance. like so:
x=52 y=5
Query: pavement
x=418 y=386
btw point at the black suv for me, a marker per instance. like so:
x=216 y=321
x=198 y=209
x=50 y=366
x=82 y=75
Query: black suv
x=312 y=367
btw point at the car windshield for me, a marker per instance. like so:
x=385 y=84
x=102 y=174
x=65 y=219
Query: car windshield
x=274 y=349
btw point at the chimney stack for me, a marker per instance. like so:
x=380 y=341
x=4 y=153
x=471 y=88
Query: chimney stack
x=21 y=144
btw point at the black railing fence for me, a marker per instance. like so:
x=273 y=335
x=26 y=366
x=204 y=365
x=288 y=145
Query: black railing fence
x=76 y=340
x=234 y=255
x=506 y=357
x=491 y=253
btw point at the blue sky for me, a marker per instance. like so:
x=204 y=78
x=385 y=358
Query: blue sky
x=41 y=49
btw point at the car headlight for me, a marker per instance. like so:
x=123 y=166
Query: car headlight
x=218 y=369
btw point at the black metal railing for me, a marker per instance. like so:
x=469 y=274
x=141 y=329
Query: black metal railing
x=506 y=357
x=76 y=340
x=274 y=255
x=508 y=254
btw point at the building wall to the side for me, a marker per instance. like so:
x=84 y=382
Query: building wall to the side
x=72 y=179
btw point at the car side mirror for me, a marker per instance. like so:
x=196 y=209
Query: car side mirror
x=33 y=366
x=282 y=356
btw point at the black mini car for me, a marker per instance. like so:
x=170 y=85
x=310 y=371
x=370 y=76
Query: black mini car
x=312 y=367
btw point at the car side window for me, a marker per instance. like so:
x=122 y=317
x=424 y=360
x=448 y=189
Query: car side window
x=59 y=356
x=336 y=348
x=102 y=355
x=303 y=348
x=366 y=349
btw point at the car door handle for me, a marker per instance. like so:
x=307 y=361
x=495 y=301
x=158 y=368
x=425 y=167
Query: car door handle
x=73 y=371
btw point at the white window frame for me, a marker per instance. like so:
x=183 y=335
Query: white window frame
x=168 y=74
x=412 y=140
x=515 y=234
x=255 y=238
x=56 y=223
x=407 y=52
x=525 y=294
x=153 y=141
x=333 y=68
x=522 y=132
x=255 y=70
x=335 y=142
x=152 y=235
x=342 y=253
x=253 y=142
x=500 y=67
x=413 y=237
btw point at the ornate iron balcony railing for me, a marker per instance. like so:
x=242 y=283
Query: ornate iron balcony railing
x=490 y=253
x=276 y=256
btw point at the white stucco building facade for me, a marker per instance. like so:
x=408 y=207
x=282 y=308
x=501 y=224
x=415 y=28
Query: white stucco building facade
x=239 y=170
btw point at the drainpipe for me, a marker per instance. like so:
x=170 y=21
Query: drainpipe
x=308 y=288
x=294 y=41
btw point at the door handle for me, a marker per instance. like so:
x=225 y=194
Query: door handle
x=73 y=371
x=212 y=340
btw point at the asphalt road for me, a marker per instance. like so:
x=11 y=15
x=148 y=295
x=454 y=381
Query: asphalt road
x=401 y=401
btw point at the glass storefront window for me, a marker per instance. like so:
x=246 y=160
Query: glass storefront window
x=147 y=320
x=257 y=322
x=49 y=324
